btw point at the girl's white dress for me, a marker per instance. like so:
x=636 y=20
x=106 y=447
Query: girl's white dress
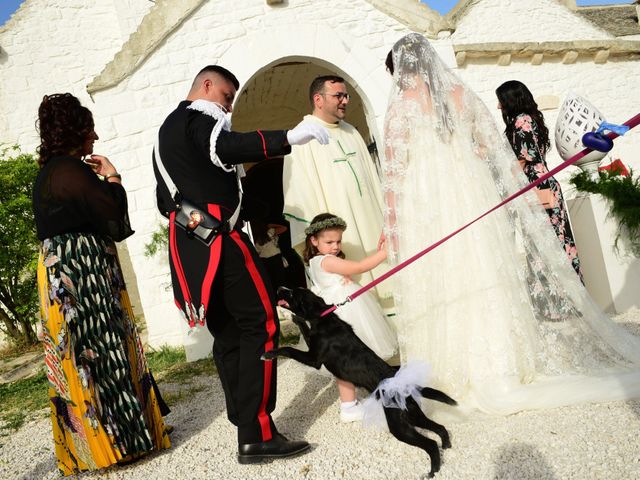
x=364 y=314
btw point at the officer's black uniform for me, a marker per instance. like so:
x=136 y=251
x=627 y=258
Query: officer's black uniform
x=225 y=283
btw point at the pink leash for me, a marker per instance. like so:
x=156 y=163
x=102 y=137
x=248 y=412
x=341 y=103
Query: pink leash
x=633 y=122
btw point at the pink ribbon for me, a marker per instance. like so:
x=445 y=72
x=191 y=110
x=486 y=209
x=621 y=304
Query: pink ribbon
x=633 y=122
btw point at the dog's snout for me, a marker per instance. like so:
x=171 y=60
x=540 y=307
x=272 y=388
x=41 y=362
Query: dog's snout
x=282 y=291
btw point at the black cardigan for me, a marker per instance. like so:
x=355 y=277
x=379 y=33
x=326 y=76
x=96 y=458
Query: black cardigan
x=68 y=197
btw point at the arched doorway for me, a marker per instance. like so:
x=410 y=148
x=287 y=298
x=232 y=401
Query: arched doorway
x=276 y=97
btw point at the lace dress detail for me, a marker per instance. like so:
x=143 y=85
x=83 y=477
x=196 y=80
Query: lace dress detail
x=497 y=310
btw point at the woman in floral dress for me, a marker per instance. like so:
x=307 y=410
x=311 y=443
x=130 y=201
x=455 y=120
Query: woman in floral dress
x=529 y=138
x=104 y=407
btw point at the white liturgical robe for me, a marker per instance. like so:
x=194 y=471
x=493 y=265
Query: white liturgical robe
x=338 y=178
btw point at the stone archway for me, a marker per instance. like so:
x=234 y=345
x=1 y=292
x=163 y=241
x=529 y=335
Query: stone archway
x=275 y=54
x=276 y=97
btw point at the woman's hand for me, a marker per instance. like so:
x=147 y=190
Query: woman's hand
x=101 y=165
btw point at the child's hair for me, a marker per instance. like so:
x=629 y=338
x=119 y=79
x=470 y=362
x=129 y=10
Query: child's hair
x=320 y=223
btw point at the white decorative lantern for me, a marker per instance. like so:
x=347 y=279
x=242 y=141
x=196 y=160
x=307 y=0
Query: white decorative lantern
x=576 y=117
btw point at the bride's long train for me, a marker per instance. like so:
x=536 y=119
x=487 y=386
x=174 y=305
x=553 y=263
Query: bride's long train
x=498 y=311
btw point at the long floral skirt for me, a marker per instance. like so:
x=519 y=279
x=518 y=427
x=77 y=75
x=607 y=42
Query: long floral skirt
x=103 y=407
x=559 y=218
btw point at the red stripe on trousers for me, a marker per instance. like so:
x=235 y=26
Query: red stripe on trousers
x=214 y=260
x=263 y=418
x=177 y=264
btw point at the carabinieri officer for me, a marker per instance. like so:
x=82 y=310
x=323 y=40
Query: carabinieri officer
x=224 y=284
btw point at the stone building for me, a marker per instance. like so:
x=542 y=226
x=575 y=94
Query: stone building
x=132 y=61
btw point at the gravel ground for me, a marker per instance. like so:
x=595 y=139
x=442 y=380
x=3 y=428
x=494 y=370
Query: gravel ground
x=597 y=441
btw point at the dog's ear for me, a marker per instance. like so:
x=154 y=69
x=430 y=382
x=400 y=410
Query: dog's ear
x=306 y=304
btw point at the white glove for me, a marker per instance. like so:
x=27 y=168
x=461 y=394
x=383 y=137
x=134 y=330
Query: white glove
x=304 y=132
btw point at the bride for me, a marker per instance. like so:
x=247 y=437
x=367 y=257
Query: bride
x=497 y=311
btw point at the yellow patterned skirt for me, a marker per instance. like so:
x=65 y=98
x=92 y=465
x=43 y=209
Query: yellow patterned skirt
x=104 y=409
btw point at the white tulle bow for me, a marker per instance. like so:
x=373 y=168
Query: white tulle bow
x=393 y=392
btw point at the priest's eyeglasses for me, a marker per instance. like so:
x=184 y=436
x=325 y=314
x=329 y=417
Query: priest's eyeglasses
x=340 y=96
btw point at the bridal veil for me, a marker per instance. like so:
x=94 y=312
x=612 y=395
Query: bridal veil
x=497 y=311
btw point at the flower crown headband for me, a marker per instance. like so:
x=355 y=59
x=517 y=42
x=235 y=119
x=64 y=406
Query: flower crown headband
x=327 y=223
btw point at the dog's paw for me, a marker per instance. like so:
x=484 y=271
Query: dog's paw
x=270 y=355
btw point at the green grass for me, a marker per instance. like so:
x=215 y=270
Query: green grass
x=165 y=357
x=13 y=421
x=169 y=364
x=185 y=372
x=172 y=398
x=21 y=398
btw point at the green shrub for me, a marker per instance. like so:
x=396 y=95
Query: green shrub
x=18 y=247
x=623 y=195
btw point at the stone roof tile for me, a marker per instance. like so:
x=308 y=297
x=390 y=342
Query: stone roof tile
x=619 y=20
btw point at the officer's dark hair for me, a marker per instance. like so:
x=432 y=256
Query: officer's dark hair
x=317 y=86
x=223 y=72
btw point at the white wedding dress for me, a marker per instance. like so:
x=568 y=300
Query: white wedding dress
x=364 y=314
x=497 y=311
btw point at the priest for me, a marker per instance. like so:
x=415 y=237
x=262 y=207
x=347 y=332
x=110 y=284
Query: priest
x=339 y=178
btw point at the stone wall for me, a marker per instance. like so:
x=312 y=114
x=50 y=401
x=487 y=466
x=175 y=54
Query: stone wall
x=606 y=86
x=610 y=86
x=53 y=46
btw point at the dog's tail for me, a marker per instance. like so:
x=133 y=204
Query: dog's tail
x=437 y=395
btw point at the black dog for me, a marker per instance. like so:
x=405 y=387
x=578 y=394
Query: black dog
x=333 y=343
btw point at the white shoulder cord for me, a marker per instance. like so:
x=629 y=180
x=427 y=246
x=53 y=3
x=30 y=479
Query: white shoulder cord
x=222 y=121
x=163 y=171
